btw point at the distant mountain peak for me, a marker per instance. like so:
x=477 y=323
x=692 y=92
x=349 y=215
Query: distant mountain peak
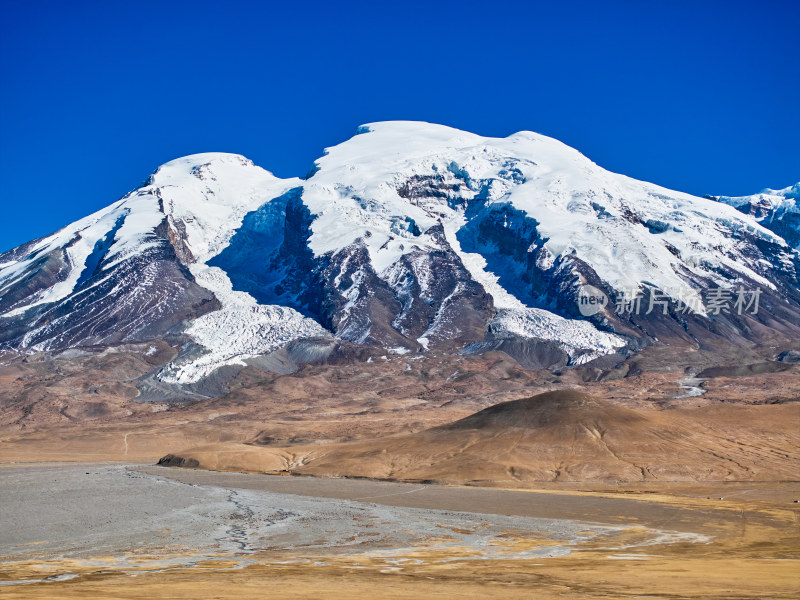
x=777 y=210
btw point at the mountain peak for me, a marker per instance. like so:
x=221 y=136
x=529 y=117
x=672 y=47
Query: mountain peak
x=205 y=166
x=777 y=210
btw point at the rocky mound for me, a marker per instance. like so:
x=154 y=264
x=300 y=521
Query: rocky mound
x=548 y=410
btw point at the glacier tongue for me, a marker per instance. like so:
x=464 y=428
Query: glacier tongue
x=513 y=318
x=242 y=328
x=208 y=196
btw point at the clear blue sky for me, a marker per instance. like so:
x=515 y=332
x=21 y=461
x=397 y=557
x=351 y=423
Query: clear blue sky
x=702 y=97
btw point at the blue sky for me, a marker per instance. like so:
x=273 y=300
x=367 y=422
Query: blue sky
x=697 y=96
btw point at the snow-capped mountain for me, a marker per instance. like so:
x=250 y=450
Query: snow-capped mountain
x=138 y=269
x=409 y=237
x=777 y=210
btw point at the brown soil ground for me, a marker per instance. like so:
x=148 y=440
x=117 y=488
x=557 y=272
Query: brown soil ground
x=555 y=436
x=83 y=408
x=635 y=436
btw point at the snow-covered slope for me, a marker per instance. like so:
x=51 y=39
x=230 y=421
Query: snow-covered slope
x=200 y=210
x=603 y=218
x=410 y=236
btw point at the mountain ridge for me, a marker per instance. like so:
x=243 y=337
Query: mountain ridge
x=409 y=237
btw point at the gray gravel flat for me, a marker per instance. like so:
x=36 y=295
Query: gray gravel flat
x=79 y=511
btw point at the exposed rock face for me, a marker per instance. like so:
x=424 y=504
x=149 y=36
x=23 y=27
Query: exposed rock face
x=142 y=297
x=170 y=460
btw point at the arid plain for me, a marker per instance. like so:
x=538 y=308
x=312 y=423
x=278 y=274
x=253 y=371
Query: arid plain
x=399 y=478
